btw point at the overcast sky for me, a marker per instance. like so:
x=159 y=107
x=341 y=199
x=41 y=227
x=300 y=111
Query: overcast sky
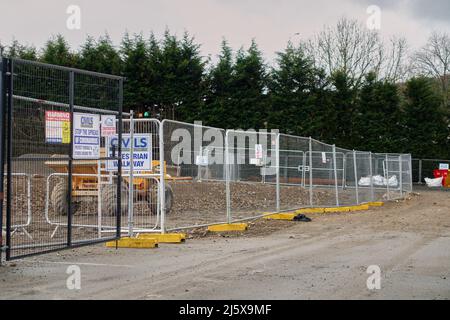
x=272 y=23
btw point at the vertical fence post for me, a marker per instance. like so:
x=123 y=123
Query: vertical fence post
x=199 y=165
x=162 y=182
x=227 y=177
x=130 y=178
x=9 y=106
x=344 y=171
x=356 y=176
x=310 y=173
x=387 y=178
x=420 y=171
x=336 y=188
x=119 y=165
x=372 y=194
x=99 y=196
x=400 y=169
x=69 y=196
x=303 y=169
x=410 y=180
x=277 y=155
x=2 y=144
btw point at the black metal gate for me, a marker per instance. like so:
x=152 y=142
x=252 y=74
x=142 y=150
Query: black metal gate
x=51 y=158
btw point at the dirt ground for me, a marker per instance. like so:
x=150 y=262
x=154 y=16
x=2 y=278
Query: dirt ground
x=324 y=259
x=195 y=203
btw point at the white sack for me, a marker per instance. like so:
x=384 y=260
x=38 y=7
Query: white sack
x=433 y=183
x=378 y=181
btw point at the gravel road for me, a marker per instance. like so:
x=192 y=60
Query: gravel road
x=324 y=259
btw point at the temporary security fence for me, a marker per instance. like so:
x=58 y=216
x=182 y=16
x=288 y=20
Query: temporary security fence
x=194 y=160
x=71 y=181
x=223 y=176
x=144 y=176
x=424 y=168
x=51 y=149
x=211 y=176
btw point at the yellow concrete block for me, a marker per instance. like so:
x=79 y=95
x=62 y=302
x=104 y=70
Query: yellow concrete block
x=310 y=210
x=133 y=243
x=337 y=209
x=376 y=204
x=164 y=238
x=228 y=227
x=281 y=216
x=361 y=207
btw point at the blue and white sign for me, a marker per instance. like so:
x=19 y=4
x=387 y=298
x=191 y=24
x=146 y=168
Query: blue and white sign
x=86 y=136
x=142 y=152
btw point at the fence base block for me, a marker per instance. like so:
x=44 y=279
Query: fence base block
x=228 y=227
x=281 y=216
x=337 y=209
x=310 y=210
x=134 y=243
x=164 y=238
x=361 y=207
x=376 y=204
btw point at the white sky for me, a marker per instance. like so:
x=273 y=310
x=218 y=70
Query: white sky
x=271 y=22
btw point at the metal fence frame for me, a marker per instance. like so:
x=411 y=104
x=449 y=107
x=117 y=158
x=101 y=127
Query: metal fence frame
x=22 y=73
x=300 y=166
x=344 y=174
x=422 y=168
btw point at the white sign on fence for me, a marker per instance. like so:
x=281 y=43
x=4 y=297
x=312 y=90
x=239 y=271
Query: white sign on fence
x=202 y=161
x=258 y=151
x=324 y=158
x=443 y=166
x=86 y=136
x=108 y=125
x=142 y=152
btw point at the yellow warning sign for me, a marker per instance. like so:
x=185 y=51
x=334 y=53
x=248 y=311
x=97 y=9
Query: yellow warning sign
x=66 y=132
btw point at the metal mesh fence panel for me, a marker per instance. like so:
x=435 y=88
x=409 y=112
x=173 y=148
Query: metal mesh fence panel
x=364 y=182
x=144 y=196
x=293 y=173
x=194 y=159
x=393 y=176
x=424 y=168
x=31 y=155
x=52 y=198
x=406 y=177
x=345 y=172
x=321 y=178
x=379 y=177
x=252 y=171
x=417 y=171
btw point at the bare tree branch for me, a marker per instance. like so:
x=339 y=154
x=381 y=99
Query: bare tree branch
x=434 y=60
x=355 y=50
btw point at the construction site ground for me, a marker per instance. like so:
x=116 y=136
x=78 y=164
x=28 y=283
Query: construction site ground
x=324 y=259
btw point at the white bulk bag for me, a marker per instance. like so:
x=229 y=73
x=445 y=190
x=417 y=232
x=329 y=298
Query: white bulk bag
x=433 y=183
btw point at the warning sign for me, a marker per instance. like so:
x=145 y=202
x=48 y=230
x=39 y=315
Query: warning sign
x=86 y=136
x=57 y=127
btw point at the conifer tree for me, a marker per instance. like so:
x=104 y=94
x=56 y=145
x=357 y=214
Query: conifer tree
x=249 y=98
x=426 y=129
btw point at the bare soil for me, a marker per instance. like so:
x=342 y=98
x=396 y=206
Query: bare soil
x=195 y=203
